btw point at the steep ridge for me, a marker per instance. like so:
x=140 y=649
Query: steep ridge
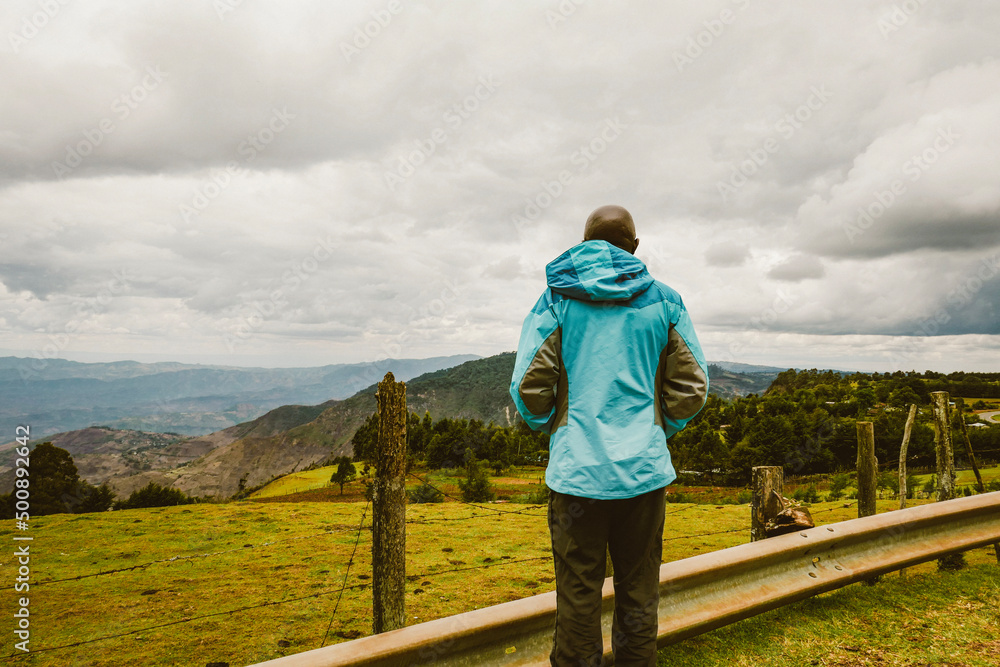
x=474 y=390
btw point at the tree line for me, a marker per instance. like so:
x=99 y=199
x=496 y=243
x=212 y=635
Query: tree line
x=449 y=443
x=805 y=422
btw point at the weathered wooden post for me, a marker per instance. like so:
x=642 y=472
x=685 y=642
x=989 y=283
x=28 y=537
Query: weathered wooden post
x=943 y=448
x=867 y=475
x=867 y=469
x=907 y=430
x=968 y=447
x=768 y=488
x=903 y=491
x=389 y=508
x=945 y=467
x=975 y=468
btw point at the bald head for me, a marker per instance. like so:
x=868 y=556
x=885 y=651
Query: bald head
x=614 y=225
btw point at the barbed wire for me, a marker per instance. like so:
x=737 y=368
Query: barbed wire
x=178 y=559
x=273 y=603
x=184 y=620
x=350 y=562
x=344 y=587
x=717 y=532
x=192 y=557
x=831 y=509
x=681 y=509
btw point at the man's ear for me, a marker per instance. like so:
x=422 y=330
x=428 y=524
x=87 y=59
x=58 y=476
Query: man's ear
x=635 y=246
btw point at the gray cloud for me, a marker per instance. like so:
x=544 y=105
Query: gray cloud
x=727 y=253
x=798 y=268
x=259 y=181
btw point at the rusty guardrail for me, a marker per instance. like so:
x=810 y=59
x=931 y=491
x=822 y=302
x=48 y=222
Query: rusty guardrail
x=696 y=594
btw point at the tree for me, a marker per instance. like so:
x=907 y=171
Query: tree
x=365 y=440
x=95 y=498
x=498 y=451
x=55 y=483
x=345 y=472
x=476 y=487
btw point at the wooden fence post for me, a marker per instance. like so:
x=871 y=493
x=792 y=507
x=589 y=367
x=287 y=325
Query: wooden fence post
x=968 y=448
x=907 y=430
x=945 y=467
x=389 y=508
x=943 y=448
x=764 y=506
x=867 y=469
x=867 y=475
x=903 y=490
x=975 y=468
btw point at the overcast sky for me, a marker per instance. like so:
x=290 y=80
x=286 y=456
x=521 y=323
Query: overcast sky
x=300 y=183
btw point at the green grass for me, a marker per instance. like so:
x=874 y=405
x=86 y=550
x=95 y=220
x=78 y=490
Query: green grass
x=925 y=618
x=967 y=477
x=274 y=551
x=297 y=482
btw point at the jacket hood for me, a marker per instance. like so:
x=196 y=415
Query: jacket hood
x=597 y=271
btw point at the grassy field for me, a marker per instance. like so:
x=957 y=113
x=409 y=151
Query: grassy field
x=297 y=482
x=249 y=581
x=968 y=477
x=515 y=484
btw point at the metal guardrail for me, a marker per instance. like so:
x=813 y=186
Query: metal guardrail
x=696 y=594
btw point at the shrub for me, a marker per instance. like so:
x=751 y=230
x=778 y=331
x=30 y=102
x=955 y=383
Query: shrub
x=154 y=495
x=476 y=487
x=930 y=485
x=889 y=480
x=539 y=496
x=744 y=497
x=807 y=495
x=839 y=483
x=425 y=493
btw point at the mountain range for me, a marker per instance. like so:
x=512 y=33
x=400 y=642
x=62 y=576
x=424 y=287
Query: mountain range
x=292 y=437
x=56 y=395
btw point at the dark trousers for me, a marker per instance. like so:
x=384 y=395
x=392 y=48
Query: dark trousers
x=583 y=530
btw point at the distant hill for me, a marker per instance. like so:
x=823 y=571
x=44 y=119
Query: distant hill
x=294 y=437
x=728 y=383
x=748 y=369
x=102 y=454
x=56 y=395
x=473 y=390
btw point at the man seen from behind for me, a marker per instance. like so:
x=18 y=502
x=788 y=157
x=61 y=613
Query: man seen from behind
x=609 y=365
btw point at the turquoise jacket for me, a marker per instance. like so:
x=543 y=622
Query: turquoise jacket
x=608 y=364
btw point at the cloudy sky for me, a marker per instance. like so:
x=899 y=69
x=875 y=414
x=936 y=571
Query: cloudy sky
x=256 y=182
